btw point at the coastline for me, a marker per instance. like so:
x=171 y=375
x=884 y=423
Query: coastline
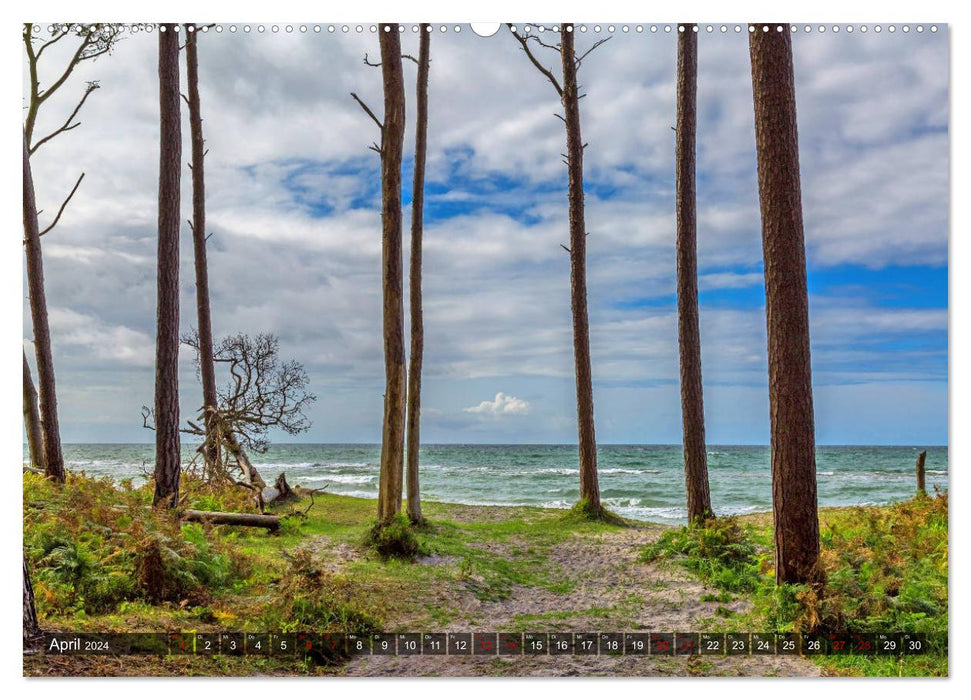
x=481 y=568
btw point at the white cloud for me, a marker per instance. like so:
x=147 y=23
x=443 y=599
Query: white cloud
x=502 y=405
x=872 y=114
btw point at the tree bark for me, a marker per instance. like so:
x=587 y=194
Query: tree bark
x=689 y=335
x=417 y=322
x=31 y=625
x=589 y=486
x=787 y=309
x=167 y=445
x=35 y=439
x=207 y=369
x=50 y=430
x=392 y=141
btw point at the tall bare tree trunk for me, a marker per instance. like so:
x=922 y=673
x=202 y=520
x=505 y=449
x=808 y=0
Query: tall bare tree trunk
x=167 y=446
x=689 y=335
x=53 y=459
x=589 y=486
x=417 y=323
x=207 y=369
x=787 y=309
x=35 y=438
x=31 y=625
x=392 y=142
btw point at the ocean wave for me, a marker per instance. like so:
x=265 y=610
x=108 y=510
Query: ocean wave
x=343 y=478
x=617 y=470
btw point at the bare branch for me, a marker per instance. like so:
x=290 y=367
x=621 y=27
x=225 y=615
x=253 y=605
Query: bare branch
x=368 y=111
x=410 y=58
x=368 y=63
x=148 y=415
x=63 y=205
x=57 y=37
x=92 y=86
x=566 y=249
x=535 y=37
x=539 y=66
x=589 y=51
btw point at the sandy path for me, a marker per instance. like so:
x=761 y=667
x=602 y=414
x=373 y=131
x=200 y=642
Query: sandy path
x=616 y=593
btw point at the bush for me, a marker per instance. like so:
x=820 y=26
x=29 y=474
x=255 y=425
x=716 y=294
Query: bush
x=92 y=546
x=308 y=597
x=720 y=551
x=393 y=539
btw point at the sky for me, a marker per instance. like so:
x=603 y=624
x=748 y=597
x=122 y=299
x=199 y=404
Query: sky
x=294 y=212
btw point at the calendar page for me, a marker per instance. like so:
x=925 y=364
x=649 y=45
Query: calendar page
x=493 y=349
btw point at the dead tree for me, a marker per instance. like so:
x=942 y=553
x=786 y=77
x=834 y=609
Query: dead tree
x=93 y=41
x=415 y=292
x=787 y=309
x=35 y=439
x=919 y=467
x=261 y=392
x=689 y=335
x=392 y=143
x=569 y=94
x=168 y=458
x=207 y=371
x=53 y=458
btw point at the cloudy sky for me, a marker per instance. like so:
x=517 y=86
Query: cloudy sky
x=294 y=212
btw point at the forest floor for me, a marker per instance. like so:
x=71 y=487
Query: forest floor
x=481 y=569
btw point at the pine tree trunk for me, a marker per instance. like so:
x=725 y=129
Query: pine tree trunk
x=787 y=309
x=35 y=439
x=589 y=486
x=207 y=369
x=50 y=430
x=31 y=625
x=167 y=446
x=689 y=335
x=417 y=324
x=392 y=141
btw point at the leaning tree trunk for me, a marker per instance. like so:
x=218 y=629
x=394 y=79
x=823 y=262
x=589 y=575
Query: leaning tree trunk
x=35 y=440
x=689 y=336
x=50 y=430
x=589 y=486
x=392 y=140
x=417 y=323
x=207 y=371
x=31 y=625
x=787 y=309
x=167 y=447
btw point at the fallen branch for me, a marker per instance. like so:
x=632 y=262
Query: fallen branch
x=270 y=522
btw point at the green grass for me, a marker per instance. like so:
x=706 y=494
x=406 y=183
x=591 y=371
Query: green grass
x=886 y=571
x=87 y=545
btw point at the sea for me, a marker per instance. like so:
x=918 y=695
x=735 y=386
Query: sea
x=641 y=482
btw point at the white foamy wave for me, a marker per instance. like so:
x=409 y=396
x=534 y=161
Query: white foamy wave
x=344 y=478
x=826 y=473
x=550 y=470
x=619 y=470
x=561 y=505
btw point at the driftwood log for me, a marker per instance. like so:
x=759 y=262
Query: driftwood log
x=215 y=517
x=270 y=522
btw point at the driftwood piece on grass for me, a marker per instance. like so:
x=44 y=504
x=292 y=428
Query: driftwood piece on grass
x=280 y=492
x=921 y=458
x=270 y=522
x=215 y=517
